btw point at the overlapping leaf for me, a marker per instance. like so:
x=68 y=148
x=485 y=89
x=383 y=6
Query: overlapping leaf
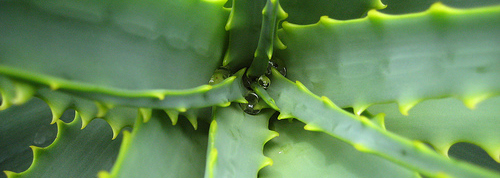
x=412 y=6
x=236 y=142
x=92 y=147
x=300 y=153
x=159 y=149
x=118 y=50
x=441 y=52
x=320 y=114
x=444 y=122
x=308 y=12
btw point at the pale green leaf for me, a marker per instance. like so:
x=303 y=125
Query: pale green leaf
x=300 y=153
x=236 y=142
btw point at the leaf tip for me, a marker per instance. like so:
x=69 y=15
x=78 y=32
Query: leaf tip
x=405 y=106
x=282 y=116
x=311 y=127
x=472 y=101
x=173 y=115
x=146 y=114
x=103 y=174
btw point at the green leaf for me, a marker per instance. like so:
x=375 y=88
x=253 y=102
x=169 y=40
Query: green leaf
x=320 y=114
x=75 y=152
x=244 y=26
x=443 y=122
x=307 y=12
x=138 y=45
x=300 y=153
x=229 y=90
x=159 y=149
x=132 y=53
x=236 y=141
x=441 y=52
x=272 y=14
x=412 y=6
x=20 y=127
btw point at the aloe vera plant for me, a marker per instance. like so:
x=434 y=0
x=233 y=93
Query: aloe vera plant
x=245 y=88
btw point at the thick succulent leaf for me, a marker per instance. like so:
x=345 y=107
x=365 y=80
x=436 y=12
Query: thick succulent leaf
x=236 y=143
x=126 y=43
x=159 y=149
x=128 y=49
x=412 y=6
x=20 y=127
x=244 y=26
x=75 y=152
x=308 y=12
x=231 y=89
x=300 y=153
x=382 y=58
x=444 y=122
x=272 y=14
x=320 y=114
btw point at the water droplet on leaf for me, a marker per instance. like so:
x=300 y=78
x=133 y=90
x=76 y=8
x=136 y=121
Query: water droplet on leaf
x=278 y=64
x=249 y=107
x=44 y=136
x=264 y=81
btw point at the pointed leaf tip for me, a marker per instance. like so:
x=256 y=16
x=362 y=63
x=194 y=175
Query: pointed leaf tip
x=328 y=102
x=361 y=148
x=311 y=127
x=224 y=104
x=285 y=116
x=472 y=101
x=103 y=174
x=360 y=108
x=405 y=106
x=146 y=114
x=193 y=120
x=267 y=162
x=173 y=115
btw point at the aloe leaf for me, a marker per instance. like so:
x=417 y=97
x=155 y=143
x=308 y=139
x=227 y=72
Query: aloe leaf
x=443 y=122
x=20 y=127
x=272 y=14
x=53 y=44
x=231 y=89
x=412 y=6
x=236 y=141
x=441 y=52
x=84 y=152
x=244 y=26
x=159 y=149
x=320 y=114
x=300 y=153
x=307 y=12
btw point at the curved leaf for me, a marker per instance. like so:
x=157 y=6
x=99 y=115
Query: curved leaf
x=159 y=149
x=20 y=127
x=133 y=41
x=441 y=52
x=236 y=142
x=75 y=152
x=244 y=26
x=320 y=114
x=308 y=12
x=412 y=6
x=300 y=153
x=132 y=53
x=272 y=14
x=444 y=122
x=231 y=89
